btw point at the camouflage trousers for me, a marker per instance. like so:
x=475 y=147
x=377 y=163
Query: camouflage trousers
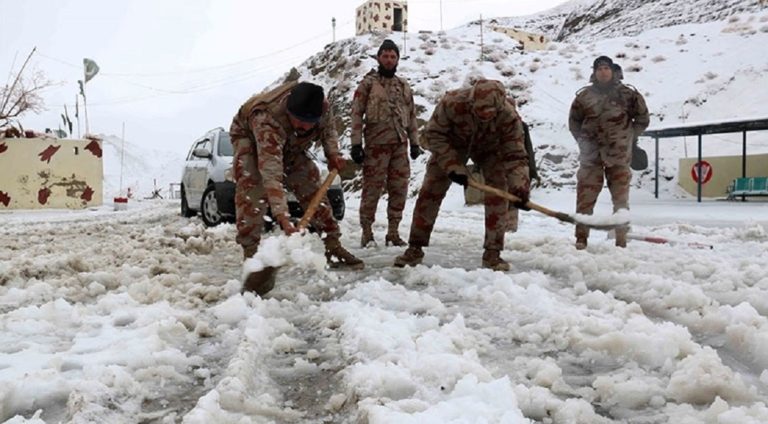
x=301 y=177
x=589 y=183
x=432 y=193
x=384 y=165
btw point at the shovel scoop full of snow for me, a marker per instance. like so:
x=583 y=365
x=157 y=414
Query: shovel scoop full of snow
x=619 y=219
x=260 y=271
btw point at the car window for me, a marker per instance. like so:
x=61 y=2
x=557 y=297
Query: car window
x=225 y=145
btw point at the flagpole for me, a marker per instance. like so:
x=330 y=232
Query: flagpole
x=77 y=114
x=85 y=102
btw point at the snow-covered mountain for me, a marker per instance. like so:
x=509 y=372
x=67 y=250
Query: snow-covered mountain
x=694 y=72
x=590 y=20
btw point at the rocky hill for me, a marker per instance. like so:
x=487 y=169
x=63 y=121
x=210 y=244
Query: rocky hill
x=692 y=72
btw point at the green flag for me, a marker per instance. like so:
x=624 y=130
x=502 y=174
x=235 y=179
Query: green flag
x=91 y=69
x=82 y=92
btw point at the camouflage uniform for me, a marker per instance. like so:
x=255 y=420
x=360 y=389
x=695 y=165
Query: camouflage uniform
x=605 y=119
x=454 y=134
x=388 y=126
x=269 y=156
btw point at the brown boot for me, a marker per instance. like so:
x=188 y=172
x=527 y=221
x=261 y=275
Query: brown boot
x=621 y=239
x=366 y=238
x=260 y=282
x=395 y=240
x=581 y=243
x=393 y=234
x=339 y=258
x=492 y=259
x=413 y=256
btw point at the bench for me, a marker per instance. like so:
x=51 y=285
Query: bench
x=749 y=186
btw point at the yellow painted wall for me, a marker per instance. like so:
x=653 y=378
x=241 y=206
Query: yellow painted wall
x=38 y=173
x=724 y=170
x=530 y=41
x=379 y=16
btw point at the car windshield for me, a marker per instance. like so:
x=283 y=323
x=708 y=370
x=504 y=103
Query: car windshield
x=225 y=145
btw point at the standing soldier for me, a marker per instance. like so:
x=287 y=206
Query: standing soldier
x=389 y=126
x=605 y=118
x=271 y=134
x=476 y=123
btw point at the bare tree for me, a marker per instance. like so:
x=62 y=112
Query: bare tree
x=23 y=95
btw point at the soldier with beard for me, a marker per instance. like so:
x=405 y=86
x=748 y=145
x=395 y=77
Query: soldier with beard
x=477 y=123
x=383 y=113
x=605 y=118
x=271 y=134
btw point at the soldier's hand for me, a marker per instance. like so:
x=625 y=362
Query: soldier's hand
x=524 y=195
x=358 y=155
x=460 y=179
x=287 y=225
x=415 y=151
x=336 y=162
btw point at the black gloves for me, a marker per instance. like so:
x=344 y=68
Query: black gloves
x=357 y=153
x=460 y=179
x=524 y=196
x=415 y=151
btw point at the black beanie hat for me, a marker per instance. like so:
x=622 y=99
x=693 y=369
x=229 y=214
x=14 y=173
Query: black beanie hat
x=388 y=45
x=306 y=102
x=602 y=60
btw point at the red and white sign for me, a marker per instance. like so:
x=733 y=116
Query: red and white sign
x=706 y=172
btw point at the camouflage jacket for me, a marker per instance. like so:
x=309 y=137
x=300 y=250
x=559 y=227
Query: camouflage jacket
x=390 y=114
x=276 y=142
x=605 y=121
x=454 y=132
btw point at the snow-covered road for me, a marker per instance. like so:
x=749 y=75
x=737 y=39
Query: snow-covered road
x=136 y=316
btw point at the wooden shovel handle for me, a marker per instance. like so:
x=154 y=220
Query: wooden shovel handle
x=512 y=198
x=317 y=198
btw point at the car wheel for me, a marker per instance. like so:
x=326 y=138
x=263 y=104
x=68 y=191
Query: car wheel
x=186 y=212
x=209 y=208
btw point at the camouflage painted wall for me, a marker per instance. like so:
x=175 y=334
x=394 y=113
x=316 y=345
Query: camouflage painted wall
x=379 y=16
x=530 y=41
x=38 y=173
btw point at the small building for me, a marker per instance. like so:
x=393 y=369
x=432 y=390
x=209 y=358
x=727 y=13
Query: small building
x=528 y=40
x=44 y=173
x=381 y=16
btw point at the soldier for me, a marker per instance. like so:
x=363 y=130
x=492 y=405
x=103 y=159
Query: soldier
x=389 y=127
x=605 y=118
x=476 y=123
x=271 y=134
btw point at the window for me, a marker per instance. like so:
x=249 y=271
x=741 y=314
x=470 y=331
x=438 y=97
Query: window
x=398 y=25
x=225 y=145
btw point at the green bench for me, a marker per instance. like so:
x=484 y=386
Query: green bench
x=749 y=186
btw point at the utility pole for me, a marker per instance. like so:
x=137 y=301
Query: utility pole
x=481 y=37
x=333 y=25
x=441 y=15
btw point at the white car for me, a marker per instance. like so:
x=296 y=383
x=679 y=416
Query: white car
x=207 y=186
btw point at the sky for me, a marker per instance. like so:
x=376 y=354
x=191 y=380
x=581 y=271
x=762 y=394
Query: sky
x=172 y=70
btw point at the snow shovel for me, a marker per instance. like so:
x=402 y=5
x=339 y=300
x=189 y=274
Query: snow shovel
x=562 y=216
x=261 y=282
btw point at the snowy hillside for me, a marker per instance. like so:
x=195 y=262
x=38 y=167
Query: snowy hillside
x=687 y=73
x=591 y=20
x=142 y=169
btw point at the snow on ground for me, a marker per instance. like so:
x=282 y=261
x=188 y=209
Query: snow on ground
x=136 y=316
